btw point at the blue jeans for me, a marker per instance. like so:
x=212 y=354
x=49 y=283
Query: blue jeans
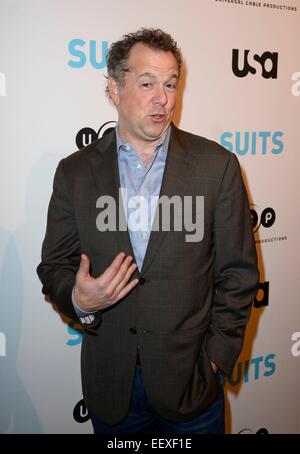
x=141 y=418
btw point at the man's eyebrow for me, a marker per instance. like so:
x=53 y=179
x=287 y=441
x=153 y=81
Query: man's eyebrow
x=148 y=74
x=174 y=76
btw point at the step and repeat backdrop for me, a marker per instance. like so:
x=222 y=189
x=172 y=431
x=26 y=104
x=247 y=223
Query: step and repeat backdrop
x=241 y=88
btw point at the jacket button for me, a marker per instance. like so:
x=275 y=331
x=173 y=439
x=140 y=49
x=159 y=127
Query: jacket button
x=142 y=281
x=133 y=330
x=146 y=331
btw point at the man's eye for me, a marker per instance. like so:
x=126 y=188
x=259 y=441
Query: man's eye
x=147 y=85
x=172 y=86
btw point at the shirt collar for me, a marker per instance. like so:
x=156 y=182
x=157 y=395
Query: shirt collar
x=164 y=140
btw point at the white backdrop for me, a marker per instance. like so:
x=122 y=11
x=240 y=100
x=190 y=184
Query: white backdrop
x=52 y=84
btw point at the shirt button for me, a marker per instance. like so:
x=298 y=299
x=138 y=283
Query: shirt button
x=142 y=281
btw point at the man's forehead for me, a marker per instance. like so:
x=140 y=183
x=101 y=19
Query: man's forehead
x=143 y=58
x=140 y=51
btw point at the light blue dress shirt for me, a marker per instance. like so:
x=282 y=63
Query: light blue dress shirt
x=140 y=186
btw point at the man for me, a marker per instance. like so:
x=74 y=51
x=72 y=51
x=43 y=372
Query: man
x=164 y=314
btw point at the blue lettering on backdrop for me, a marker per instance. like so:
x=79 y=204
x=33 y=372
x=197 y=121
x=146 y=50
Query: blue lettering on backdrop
x=77 y=53
x=270 y=365
x=253 y=369
x=77 y=48
x=252 y=143
x=277 y=142
x=74 y=329
x=227 y=143
x=264 y=135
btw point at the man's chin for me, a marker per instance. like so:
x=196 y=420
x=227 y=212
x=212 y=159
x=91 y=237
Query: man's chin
x=154 y=133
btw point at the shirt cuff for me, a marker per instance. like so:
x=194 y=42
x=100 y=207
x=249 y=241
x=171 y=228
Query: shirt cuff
x=84 y=316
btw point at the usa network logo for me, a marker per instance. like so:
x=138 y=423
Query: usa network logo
x=253 y=143
x=90 y=52
x=246 y=64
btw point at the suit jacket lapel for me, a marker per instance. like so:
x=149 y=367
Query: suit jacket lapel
x=106 y=177
x=176 y=176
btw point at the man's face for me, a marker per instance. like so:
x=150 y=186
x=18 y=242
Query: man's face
x=146 y=102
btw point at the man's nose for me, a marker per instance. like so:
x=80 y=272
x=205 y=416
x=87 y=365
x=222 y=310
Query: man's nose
x=161 y=96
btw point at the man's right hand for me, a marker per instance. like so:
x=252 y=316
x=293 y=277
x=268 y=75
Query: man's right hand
x=94 y=294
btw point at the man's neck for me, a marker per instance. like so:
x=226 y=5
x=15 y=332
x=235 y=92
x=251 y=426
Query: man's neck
x=145 y=149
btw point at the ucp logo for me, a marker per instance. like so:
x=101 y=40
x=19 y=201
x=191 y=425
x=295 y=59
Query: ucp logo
x=75 y=330
x=91 y=51
x=80 y=412
x=265 y=217
x=261 y=431
x=88 y=135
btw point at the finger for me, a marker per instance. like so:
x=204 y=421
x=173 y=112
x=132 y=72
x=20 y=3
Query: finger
x=127 y=289
x=115 y=295
x=84 y=266
x=113 y=268
x=120 y=274
x=126 y=278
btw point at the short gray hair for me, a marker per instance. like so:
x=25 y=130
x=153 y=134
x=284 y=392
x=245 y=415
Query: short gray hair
x=118 y=53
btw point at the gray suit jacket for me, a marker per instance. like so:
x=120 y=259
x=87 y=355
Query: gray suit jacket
x=195 y=298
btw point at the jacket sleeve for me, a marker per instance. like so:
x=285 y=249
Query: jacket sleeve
x=235 y=270
x=61 y=250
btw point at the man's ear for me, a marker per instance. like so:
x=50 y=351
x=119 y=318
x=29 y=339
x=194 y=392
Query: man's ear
x=114 y=91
